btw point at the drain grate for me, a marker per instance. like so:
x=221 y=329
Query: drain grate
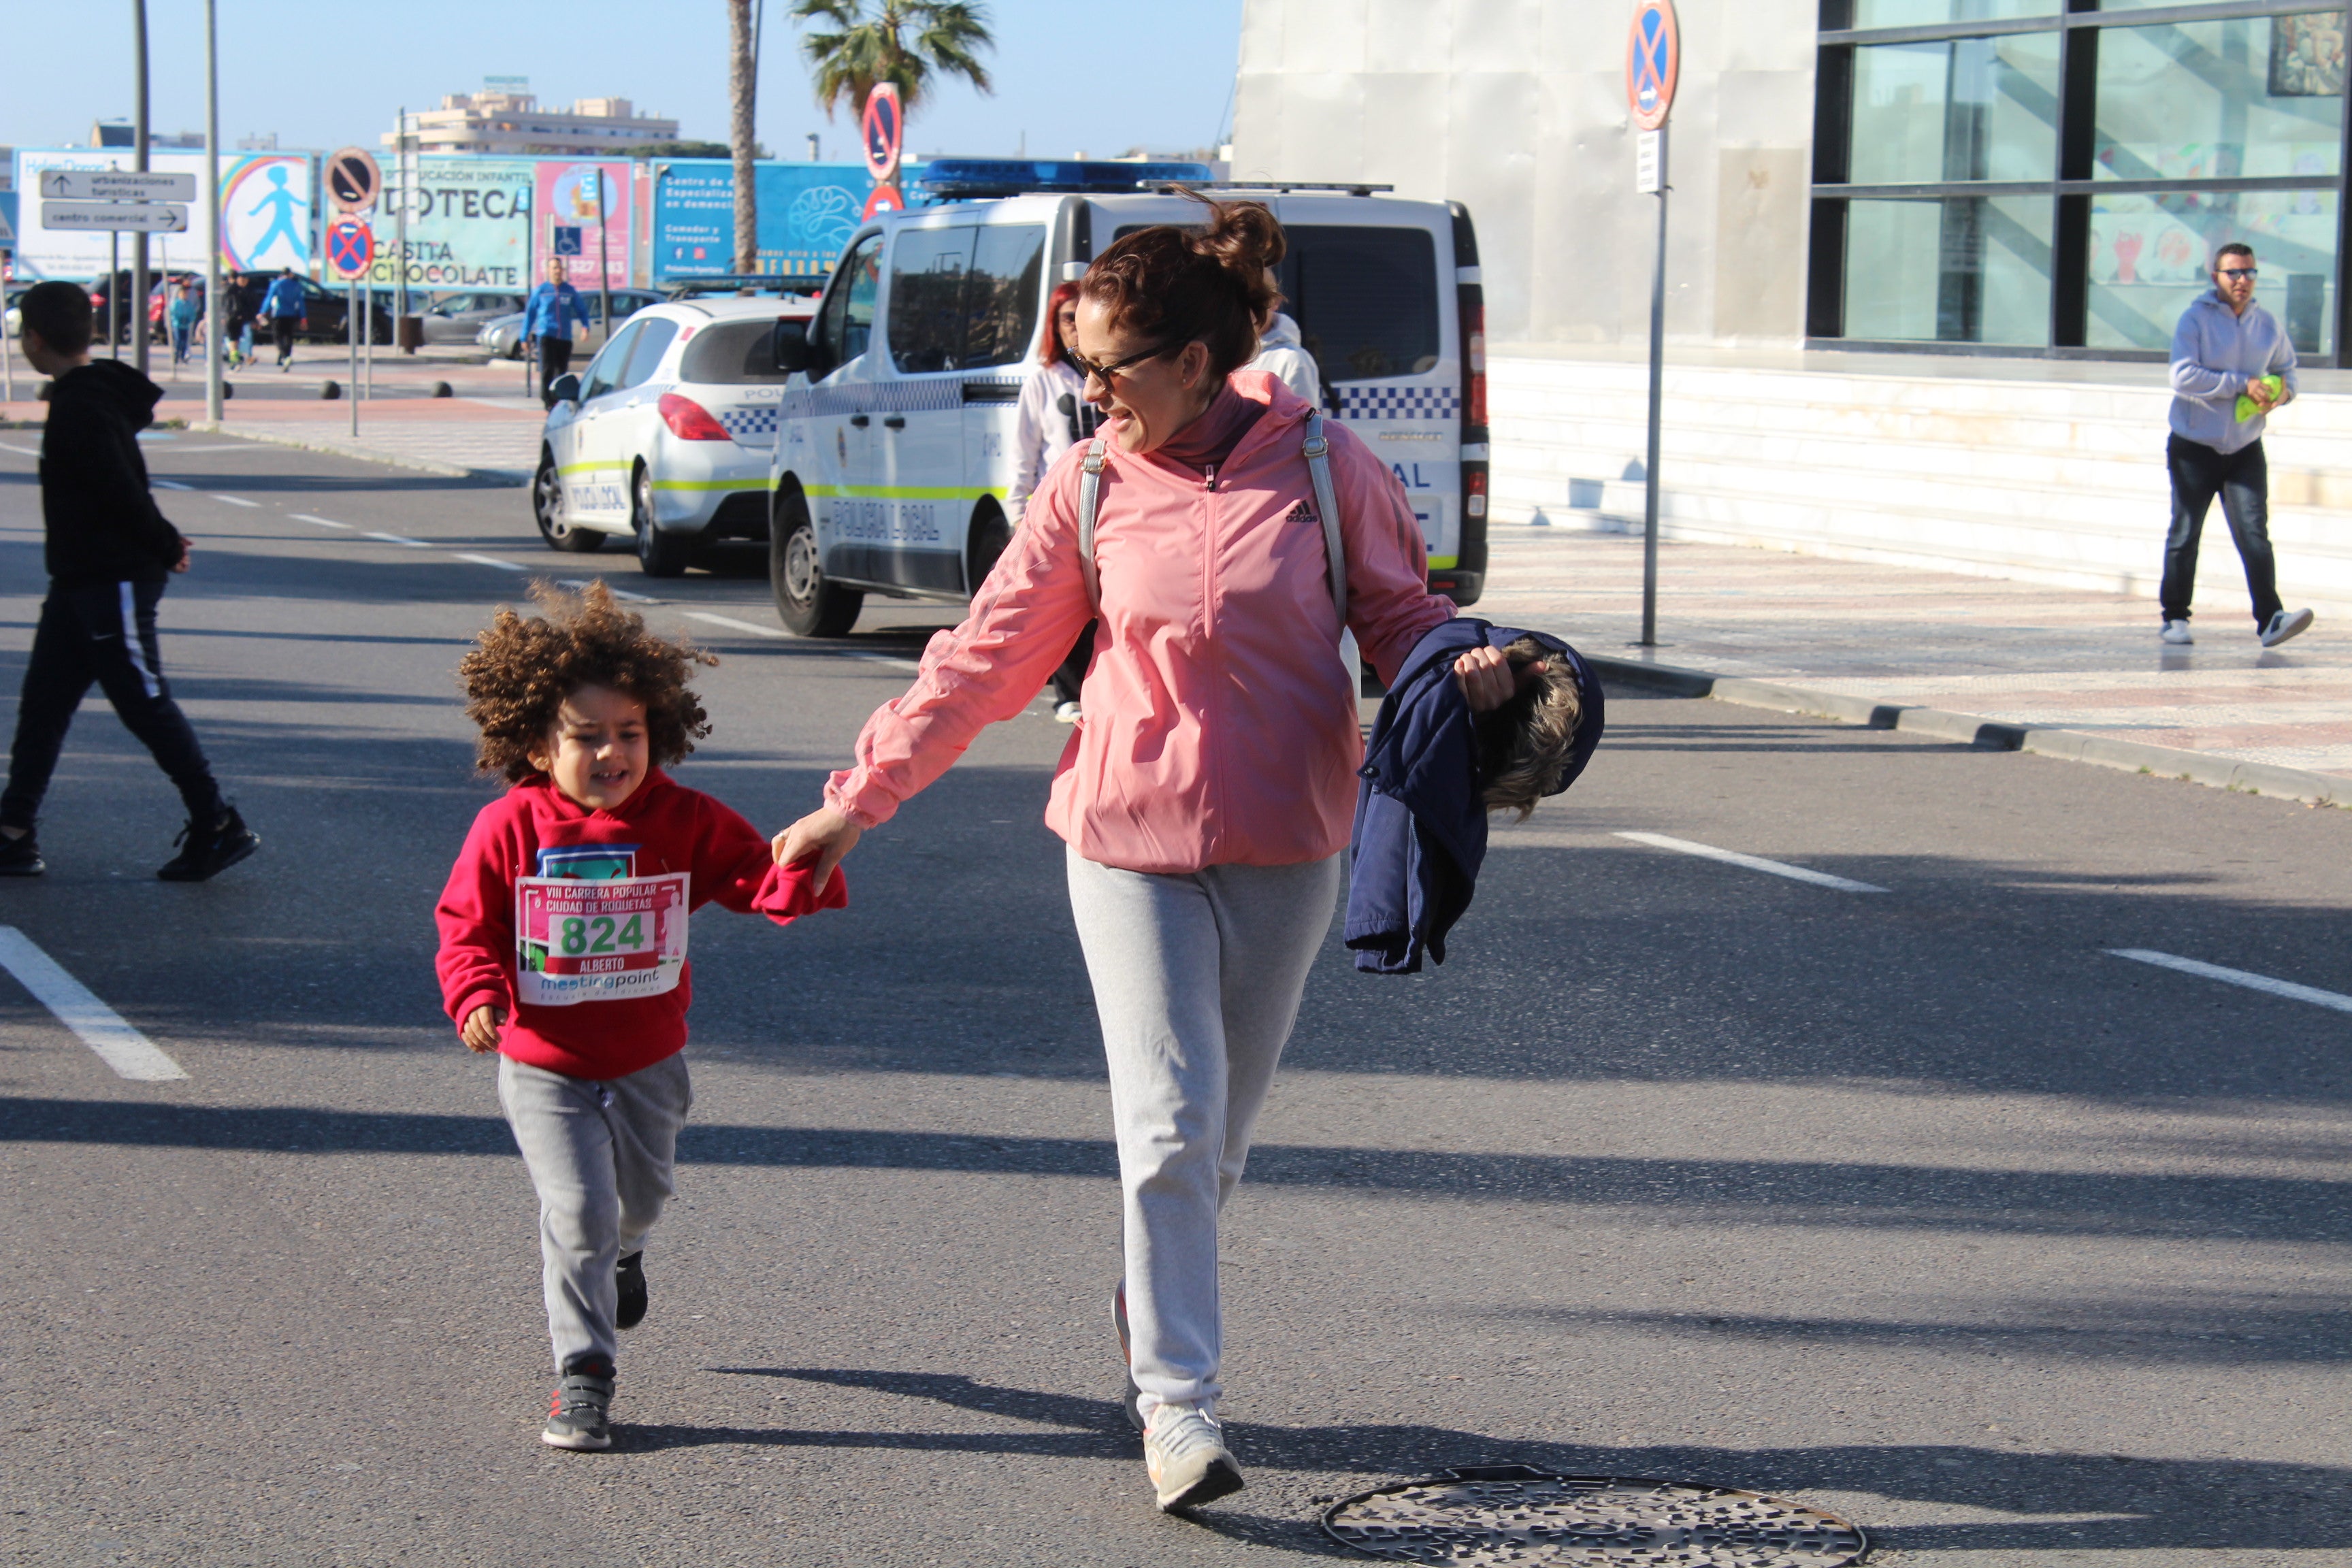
x=1511 y=1514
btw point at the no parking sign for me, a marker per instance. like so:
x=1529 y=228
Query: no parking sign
x=1653 y=60
x=351 y=247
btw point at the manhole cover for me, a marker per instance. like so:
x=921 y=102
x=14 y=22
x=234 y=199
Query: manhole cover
x=1508 y=1513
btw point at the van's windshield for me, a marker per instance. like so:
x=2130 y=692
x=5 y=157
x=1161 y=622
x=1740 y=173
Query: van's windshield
x=1365 y=297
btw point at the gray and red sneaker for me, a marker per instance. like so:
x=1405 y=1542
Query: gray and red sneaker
x=580 y=1414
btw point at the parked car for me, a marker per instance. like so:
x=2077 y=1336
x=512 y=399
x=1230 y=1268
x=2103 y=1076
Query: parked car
x=503 y=336
x=894 y=449
x=323 y=308
x=15 y=321
x=665 y=439
x=460 y=318
x=159 y=291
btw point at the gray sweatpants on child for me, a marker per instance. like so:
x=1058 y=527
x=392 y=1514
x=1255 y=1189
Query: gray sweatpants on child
x=600 y=1154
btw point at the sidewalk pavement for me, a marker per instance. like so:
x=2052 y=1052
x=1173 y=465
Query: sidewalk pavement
x=2010 y=664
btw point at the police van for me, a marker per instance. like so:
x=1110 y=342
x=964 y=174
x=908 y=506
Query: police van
x=894 y=439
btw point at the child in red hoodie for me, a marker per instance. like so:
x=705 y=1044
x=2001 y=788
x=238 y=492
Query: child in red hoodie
x=563 y=947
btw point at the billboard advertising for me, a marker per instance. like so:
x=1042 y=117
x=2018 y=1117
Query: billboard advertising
x=572 y=212
x=469 y=223
x=807 y=212
x=267 y=219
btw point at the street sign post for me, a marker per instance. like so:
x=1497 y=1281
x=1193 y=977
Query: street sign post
x=1654 y=63
x=115 y=185
x=125 y=217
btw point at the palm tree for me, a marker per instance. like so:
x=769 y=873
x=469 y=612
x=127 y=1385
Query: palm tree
x=868 y=43
x=742 y=86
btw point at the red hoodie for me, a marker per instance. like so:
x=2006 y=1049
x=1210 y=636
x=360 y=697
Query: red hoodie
x=596 y=982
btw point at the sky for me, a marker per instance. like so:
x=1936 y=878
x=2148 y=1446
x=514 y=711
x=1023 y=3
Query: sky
x=323 y=76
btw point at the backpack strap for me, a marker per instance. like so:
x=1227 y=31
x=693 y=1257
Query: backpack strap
x=1318 y=468
x=1089 y=503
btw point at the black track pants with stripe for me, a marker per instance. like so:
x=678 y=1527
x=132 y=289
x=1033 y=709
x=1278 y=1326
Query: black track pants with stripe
x=102 y=632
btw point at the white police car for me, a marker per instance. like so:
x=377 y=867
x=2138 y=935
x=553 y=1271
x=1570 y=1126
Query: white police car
x=664 y=437
x=893 y=455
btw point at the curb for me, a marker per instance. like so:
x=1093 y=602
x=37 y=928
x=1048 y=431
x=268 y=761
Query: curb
x=1989 y=734
x=389 y=459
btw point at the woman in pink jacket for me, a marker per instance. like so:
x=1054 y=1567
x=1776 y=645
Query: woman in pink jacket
x=1208 y=791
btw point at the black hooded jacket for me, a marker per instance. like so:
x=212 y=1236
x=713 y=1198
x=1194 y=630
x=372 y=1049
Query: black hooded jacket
x=103 y=526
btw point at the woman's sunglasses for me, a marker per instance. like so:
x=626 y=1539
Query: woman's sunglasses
x=1103 y=372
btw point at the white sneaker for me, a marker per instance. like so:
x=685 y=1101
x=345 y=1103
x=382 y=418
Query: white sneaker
x=2284 y=624
x=1185 y=1450
x=2176 y=632
x=1067 y=713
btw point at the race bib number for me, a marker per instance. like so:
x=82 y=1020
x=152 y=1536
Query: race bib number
x=580 y=941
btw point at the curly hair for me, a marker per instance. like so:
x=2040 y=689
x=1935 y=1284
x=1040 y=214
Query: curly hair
x=522 y=670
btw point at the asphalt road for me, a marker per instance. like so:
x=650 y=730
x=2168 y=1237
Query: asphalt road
x=1917 y=1206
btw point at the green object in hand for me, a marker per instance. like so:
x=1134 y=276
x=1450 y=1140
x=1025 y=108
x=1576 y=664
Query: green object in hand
x=2246 y=409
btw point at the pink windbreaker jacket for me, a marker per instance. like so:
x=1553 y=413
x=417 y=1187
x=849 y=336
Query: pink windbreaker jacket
x=1219 y=728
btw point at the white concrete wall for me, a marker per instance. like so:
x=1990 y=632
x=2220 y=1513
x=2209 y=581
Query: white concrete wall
x=1517 y=109
x=2033 y=479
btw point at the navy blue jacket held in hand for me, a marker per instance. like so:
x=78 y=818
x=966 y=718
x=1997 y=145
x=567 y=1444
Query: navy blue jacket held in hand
x=1420 y=818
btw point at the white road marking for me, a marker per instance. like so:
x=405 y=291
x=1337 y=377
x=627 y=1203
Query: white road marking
x=131 y=1054
x=731 y=623
x=1753 y=863
x=236 y=501
x=321 y=521
x=489 y=560
x=2252 y=982
x=165 y=484
x=581 y=585
x=20 y=451
x=397 y=538
x=885 y=658
x=190 y=451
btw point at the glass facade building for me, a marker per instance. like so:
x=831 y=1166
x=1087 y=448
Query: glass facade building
x=2052 y=176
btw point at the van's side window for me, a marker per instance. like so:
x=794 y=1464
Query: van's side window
x=927 y=287
x=1001 y=303
x=848 y=318
x=1365 y=299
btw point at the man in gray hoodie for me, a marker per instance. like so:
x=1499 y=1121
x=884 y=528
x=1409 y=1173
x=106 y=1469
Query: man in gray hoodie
x=2221 y=351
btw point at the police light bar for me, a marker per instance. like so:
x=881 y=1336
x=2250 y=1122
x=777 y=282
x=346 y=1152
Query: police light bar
x=948 y=179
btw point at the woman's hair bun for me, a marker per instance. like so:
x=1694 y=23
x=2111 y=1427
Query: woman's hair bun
x=1242 y=238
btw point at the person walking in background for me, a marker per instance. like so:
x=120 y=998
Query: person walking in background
x=2232 y=364
x=1282 y=354
x=547 y=320
x=1051 y=415
x=108 y=551
x=182 y=315
x=284 y=309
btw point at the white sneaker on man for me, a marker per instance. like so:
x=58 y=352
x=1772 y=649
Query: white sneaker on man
x=2175 y=632
x=1065 y=713
x=1185 y=1450
x=2284 y=624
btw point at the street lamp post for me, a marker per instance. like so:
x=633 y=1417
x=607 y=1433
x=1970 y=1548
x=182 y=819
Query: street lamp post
x=139 y=280
x=215 y=324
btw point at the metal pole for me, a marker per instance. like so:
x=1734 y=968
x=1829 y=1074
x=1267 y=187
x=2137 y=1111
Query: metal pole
x=351 y=333
x=367 y=329
x=530 y=266
x=604 y=258
x=1657 y=398
x=114 y=294
x=216 y=323
x=400 y=225
x=140 y=281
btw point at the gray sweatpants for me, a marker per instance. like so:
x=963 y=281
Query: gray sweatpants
x=1197 y=980
x=600 y=1156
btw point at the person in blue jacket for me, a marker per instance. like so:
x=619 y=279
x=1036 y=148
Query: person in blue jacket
x=547 y=319
x=286 y=312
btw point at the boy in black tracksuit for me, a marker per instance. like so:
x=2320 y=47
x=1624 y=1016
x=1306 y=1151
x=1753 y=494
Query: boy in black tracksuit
x=109 y=551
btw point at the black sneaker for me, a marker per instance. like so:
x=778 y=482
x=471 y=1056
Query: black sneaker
x=206 y=851
x=580 y=1414
x=21 y=857
x=630 y=1275
x=1129 y=1401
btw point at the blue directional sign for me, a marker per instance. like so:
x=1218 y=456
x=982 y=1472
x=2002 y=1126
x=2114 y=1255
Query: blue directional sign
x=1653 y=60
x=567 y=239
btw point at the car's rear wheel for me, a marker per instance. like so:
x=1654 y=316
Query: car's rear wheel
x=547 y=507
x=659 y=554
x=806 y=603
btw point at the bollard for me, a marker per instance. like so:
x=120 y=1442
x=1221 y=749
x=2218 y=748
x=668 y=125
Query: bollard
x=329 y=391
x=443 y=389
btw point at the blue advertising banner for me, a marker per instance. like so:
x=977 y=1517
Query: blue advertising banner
x=807 y=212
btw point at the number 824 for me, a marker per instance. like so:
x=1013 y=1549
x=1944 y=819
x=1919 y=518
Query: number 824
x=596 y=934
